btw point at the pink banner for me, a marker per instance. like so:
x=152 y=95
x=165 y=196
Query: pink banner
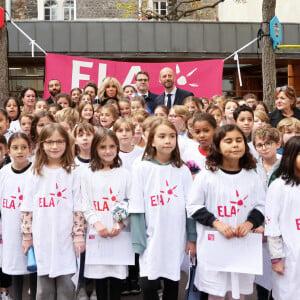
x=203 y=78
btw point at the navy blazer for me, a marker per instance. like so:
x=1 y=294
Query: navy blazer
x=179 y=97
x=150 y=102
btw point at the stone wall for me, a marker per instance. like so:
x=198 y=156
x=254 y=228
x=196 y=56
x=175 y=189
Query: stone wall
x=24 y=9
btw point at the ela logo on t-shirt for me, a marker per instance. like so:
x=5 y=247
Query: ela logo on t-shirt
x=164 y=197
x=229 y=211
x=103 y=204
x=14 y=201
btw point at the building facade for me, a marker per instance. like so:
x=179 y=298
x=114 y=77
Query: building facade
x=99 y=29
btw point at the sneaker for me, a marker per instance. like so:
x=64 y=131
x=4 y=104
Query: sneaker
x=93 y=295
x=5 y=296
x=82 y=295
x=125 y=287
x=134 y=287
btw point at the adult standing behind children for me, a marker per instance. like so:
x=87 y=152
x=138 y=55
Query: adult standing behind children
x=285 y=101
x=172 y=95
x=142 y=80
x=54 y=88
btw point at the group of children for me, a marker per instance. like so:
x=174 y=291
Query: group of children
x=85 y=176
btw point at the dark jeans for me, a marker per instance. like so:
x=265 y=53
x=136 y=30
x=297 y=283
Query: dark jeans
x=17 y=285
x=114 y=288
x=150 y=287
x=262 y=293
x=5 y=280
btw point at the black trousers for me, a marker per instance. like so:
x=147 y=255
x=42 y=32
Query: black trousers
x=17 y=285
x=150 y=287
x=114 y=285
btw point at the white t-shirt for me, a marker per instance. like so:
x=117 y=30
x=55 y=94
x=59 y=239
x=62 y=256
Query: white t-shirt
x=230 y=197
x=101 y=191
x=15 y=126
x=14 y=261
x=81 y=163
x=128 y=158
x=53 y=198
x=160 y=192
x=283 y=219
x=193 y=156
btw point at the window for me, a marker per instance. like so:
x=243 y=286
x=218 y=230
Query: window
x=69 y=10
x=160 y=7
x=50 y=10
x=21 y=76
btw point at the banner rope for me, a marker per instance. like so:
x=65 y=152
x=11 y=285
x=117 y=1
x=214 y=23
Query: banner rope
x=235 y=55
x=31 y=41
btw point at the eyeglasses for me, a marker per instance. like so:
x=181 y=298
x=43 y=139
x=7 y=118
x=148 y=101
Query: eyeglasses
x=142 y=79
x=285 y=88
x=57 y=142
x=267 y=145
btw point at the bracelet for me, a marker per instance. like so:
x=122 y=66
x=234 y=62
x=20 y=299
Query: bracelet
x=27 y=238
x=276 y=260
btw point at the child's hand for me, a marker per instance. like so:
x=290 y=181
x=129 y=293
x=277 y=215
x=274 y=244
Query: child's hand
x=225 y=229
x=278 y=267
x=101 y=229
x=26 y=244
x=243 y=229
x=261 y=229
x=116 y=229
x=79 y=246
x=191 y=247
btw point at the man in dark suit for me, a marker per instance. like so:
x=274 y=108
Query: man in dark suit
x=54 y=88
x=172 y=95
x=142 y=86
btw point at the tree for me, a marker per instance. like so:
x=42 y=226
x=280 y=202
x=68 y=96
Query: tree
x=268 y=54
x=177 y=9
x=3 y=60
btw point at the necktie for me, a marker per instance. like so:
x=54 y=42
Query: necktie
x=145 y=96
x=169 y=103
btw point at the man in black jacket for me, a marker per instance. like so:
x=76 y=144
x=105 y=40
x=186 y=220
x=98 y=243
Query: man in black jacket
x=54 y=88
x=142 y=85
x=172 y=95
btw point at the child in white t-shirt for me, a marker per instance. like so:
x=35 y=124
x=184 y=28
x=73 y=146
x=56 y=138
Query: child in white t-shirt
x=160 y=187
x=52 y=218
x=229 y=197
x=105 y=187
x=283 y=223
x=203 y=129
x=124 y=130
x=13 y=176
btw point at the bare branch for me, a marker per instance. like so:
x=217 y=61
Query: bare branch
x=190 y=11
x=175 y=13
x=185 y=2
x=151 y=14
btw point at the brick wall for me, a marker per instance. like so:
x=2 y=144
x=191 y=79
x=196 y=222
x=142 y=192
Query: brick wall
x=24 y=9
x=99 y=9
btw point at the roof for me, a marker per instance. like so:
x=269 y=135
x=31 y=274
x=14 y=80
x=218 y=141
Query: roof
x=144 y=40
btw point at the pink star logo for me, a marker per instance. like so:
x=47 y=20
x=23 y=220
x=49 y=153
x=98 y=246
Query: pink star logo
x=112 y=196
x=170 y=191
x=59 y=193
x=239 y=202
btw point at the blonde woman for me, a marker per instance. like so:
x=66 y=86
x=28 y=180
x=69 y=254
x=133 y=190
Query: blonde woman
x=110 y=89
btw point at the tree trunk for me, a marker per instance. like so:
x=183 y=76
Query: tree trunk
x=268 y=55
x=3 y=61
